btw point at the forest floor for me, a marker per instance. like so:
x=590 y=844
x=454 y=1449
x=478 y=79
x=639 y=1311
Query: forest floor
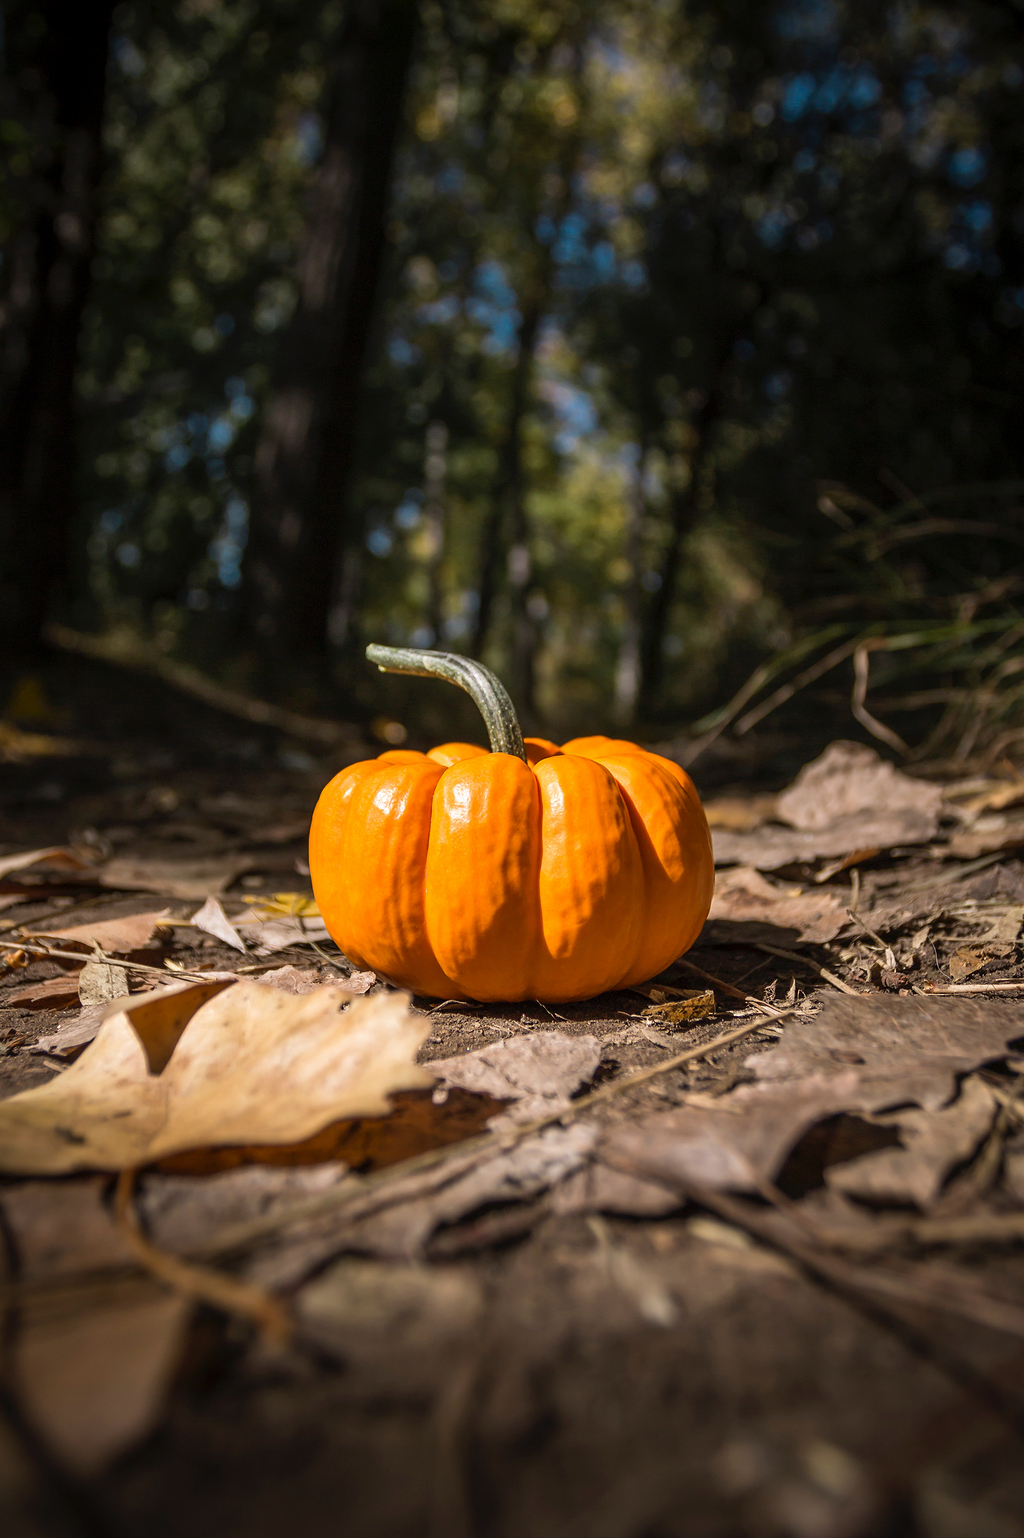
x=774 y=1291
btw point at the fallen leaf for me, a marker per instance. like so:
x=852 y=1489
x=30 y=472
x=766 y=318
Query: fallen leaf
x=599 y=1188
x=57 y=857
x=284 y=904
x=987 y=836
x=968 y=960
x=743 y=895
x=935 y=1142
x=53 y=993
x=695 y=1004
x=850 y=778
x=58 y=1227
x=901 y=1049
x=91 y=1380
x=538 y=1072
x=98 y=983
x=214 y=921
x=73 y=1034
x=269 y=933
x=848 y=800
x=396 y=1222
x=174 y=878
x=115 y=936
x=740 y=814
x=184 y=1213
x=299 y=980
x=731 y=1143
x=214 y=1064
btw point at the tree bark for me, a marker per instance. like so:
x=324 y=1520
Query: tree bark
x=55 y=89
x=300 y=520
x=684 y=510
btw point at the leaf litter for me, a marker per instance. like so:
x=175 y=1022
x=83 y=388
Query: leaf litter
x=920 y=1088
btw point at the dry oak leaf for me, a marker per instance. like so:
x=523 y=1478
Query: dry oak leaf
x=539 y=1072
x=213 y=1065
x=900 y=1050
x=848 y=799
x=174 y=878
x=743 y=895
x=115 y=936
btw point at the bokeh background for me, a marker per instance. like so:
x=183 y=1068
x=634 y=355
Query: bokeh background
x=666 y=356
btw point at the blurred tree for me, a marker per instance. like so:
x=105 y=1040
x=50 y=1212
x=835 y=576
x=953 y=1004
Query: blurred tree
x=51 y=106
x=301 y=513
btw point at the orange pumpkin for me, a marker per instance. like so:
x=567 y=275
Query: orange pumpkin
x=529 y=872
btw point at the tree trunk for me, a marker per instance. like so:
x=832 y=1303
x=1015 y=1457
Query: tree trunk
x=299 y=527
x=628 y=667
x=684 y=510
x=55 y=88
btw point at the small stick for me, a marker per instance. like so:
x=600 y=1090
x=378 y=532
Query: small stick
x=973 y=988
x=223 y=1292
x=108 y=961
x=829 y=977
x=716 y=982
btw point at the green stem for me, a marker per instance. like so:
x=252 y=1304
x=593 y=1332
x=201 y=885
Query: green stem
x=487 y=692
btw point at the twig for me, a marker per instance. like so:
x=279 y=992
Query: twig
x=829 y=977
x=223 y=1292
x=141 y=658
x=861 y=664
x=786 y=692
x=972 y=988
x=109 y=961
x=716 y=982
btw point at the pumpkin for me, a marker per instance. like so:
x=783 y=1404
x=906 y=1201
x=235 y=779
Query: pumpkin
x=528 y=872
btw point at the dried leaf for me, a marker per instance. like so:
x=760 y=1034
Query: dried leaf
x=72 y=1034
x=174 y=878
x=539 y=1072
x=901 y=1050
x=743 y=895
x=730 y=1143
x=57 y=857
x=846 y=801
x=986 y=836
x=59 y=1227
x=99 y=982
x=272 y=933
x=214 y=921
x=53 y=993
x=934 y=1143
x=184 y=1213
x=92 y=1380
x=117 y=936
x=210 y=1064
x=849 y=779
x=740 y=814
x=696 y=1004
x=599 y=1188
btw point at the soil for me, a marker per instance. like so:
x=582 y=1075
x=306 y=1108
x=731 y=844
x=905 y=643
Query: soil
x=540 y=1373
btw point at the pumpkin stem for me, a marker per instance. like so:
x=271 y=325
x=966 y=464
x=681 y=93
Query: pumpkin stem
x=487 y=692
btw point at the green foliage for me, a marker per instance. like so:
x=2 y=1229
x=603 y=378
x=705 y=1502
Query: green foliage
x=778 y=258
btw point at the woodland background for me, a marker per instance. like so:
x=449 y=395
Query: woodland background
x=650 y=350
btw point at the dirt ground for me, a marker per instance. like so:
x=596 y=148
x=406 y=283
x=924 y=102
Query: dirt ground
x=539 y=1369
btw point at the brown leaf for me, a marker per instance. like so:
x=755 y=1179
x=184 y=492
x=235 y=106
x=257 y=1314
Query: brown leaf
x=184 y=1213
x=986 y=836
x=59 y=1227
x=91 y=1380
x=539 y=1072
x=732 y=1142
x=115 y=936
x=847 y=800
x=743 y=895
x=900 y=1049
x=850 y=779
x=694 y=1004
x=214 y=1064
x=740 y=814
x=74 y=1033
x=55 y=858
x=934 y=1143
x=53 y=993
x=174 y=878
x=98 y=983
